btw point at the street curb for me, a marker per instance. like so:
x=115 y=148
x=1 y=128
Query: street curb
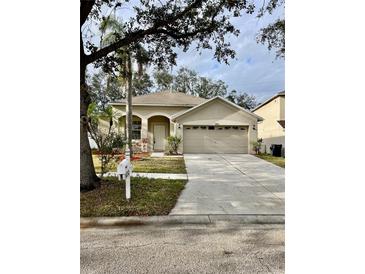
x=181 y=219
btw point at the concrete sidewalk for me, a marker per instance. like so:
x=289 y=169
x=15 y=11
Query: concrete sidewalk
x=170 y=176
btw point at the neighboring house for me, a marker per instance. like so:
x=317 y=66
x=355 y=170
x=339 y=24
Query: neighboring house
x=206 y=126
x=272 y=128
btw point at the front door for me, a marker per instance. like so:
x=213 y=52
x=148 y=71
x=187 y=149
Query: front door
x=159 y=134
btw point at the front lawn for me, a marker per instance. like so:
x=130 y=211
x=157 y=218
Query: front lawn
x=150 y=165
x=149 y=197
x=279 y=161
x=160 y=165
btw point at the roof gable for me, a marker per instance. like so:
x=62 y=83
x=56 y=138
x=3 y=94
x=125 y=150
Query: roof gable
x=165 y=98
x=228 y=104
x=281 y=93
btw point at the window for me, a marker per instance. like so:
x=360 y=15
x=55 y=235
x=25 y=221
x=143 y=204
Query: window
x=136 y=130
x=242 y=128
x=211 y=128
x=188 y=128
x=227 y=127
x=220 y=128
x=195 y=127
x=235 y=127
x=203 y=127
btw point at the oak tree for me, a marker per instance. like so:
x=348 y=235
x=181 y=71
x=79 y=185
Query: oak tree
x=185 y=81
x=163 y=79
x=162 y=26
x=242 y=99
x=273 y=35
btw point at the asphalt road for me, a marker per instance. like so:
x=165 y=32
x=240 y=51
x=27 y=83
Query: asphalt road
x=214 y=248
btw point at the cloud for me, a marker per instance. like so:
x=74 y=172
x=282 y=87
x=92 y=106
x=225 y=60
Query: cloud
x=255 y=69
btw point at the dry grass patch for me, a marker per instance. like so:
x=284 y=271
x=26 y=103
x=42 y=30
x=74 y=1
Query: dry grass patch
x=279 y=161
x=160 y=165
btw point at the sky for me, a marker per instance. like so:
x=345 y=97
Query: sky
x=255 y=69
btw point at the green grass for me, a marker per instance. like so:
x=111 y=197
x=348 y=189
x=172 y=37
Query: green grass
x=149 y=197
x=160 y=165
x=279 y=161
x=150 y=165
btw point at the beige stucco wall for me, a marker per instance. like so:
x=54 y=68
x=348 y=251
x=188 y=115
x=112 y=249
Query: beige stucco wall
x=282 y=107
x=270 y=130
x=218 y=112
x=103 y=125
x=146 y=113
x=215 y=112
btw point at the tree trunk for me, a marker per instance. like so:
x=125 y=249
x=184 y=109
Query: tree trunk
x=88 y=178
x=129 y=118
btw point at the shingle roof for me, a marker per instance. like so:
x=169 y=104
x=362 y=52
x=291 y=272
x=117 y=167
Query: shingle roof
x=165 y=98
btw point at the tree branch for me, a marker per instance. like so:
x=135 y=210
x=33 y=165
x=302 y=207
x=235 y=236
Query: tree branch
x=186 y=34
x=137 y=35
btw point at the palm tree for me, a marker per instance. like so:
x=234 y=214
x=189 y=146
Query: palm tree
x=142 y=58
x=111 y=29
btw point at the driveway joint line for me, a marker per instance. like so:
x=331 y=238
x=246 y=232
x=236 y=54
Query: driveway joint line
x=210 y=221
x=250 y=178
x=245 y=192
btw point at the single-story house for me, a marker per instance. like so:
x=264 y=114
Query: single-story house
x=272 y=128
x=205 y=125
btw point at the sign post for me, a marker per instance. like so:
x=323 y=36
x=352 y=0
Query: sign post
x=124 y=170
x=128 y=173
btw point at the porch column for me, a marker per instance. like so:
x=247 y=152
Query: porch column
x=172 y=128
x=144 y=134
x=144 y=128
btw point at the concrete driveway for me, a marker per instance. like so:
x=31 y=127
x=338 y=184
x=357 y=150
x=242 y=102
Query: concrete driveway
x=231 y=184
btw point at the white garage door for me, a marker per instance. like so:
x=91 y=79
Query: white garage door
x=215 y=139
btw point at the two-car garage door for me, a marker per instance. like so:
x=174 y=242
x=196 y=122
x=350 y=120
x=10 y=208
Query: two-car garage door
x=215 y=139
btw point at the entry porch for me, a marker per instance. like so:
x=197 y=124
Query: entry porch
x=149 y=134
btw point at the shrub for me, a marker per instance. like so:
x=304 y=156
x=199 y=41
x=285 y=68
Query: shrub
x=108 y=141
x=173 y=144
x=257 y=145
